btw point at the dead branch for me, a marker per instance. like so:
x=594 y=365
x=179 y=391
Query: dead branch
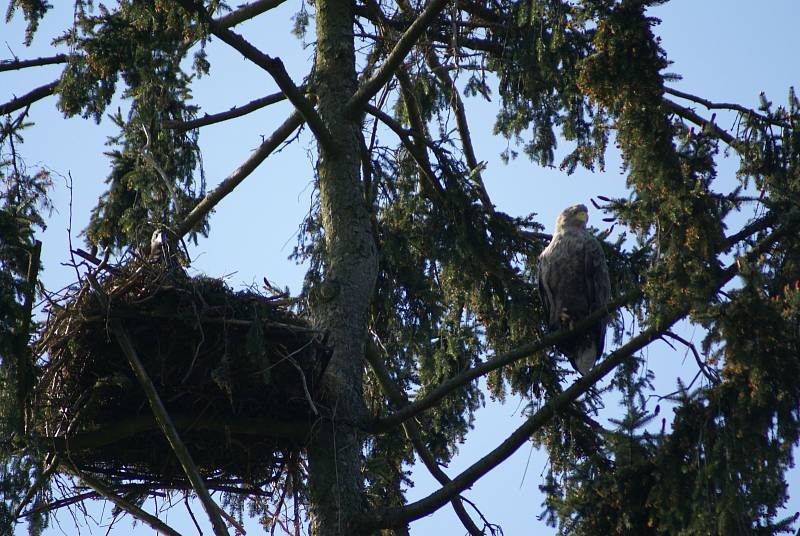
x=29 y=98
x=16 y=64
x=234 y=179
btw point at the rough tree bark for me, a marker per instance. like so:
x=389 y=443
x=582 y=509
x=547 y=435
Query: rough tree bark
x=350 y=271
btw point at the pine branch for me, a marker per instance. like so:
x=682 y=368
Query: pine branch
x=236 y=111
x=448 y=386
x=161 y=415
x=29 y=98
x=16 y=64
x=385 y=72
x=234 y=179
x=392 y=517
x=399 y=400
x=498 y=361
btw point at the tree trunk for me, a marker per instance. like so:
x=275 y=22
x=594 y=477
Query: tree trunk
x=350 y=270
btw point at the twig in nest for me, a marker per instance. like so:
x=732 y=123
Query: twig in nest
x=94 y=260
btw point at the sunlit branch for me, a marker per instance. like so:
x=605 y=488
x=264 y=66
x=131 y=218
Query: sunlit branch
x=399 y=400
x=236 y=111
x=246 y=12
x=125 y=505
x=385 y=72
x=391 y=517
x=28 y=98
x=13 y=65
x=234 y=179
x=726 y=106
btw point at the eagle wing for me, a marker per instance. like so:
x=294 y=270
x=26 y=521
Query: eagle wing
x=598 y=285
x=545 y=292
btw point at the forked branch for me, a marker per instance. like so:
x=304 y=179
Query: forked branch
x=385 y=72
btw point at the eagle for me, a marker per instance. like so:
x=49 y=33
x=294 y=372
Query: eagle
x=574 y=282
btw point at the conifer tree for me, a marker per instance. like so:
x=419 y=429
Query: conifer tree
x=422 y=286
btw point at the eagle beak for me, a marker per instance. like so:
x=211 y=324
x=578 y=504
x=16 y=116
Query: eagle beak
x=583 y=216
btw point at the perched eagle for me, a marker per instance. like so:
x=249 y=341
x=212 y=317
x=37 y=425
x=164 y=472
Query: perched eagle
x=573 y=282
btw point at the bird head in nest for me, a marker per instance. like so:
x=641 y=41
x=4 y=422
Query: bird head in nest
x=574 y=216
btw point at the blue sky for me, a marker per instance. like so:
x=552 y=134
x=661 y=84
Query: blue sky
x=725 y=50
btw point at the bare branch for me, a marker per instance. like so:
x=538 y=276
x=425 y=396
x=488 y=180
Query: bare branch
x=700 y=363
x=246 y=12
x=236 y=111
x=395 y=58
x=29 y=98
x=274 y=66
x=235 y=178
x=13 y=65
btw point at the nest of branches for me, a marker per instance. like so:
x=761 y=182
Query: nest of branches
x=236 y=371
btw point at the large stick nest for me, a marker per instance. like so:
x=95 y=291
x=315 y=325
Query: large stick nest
x=237 y=372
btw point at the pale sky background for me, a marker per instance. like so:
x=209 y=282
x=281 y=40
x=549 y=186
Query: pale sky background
x=726 y=50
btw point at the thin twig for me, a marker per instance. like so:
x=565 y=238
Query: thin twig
x=700 y=363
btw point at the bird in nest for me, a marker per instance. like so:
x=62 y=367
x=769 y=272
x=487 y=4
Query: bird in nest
x=573 y=283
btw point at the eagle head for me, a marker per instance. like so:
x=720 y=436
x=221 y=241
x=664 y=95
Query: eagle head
x=574 y=216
